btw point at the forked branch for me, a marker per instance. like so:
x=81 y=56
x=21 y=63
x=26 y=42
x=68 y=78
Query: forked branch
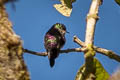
x=102 y=51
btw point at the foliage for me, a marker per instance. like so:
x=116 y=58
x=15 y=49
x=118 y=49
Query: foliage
x=100 y=72
x=65 y=8
x=118 y=2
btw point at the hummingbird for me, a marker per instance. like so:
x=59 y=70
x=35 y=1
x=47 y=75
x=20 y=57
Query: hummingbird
x=54 y=40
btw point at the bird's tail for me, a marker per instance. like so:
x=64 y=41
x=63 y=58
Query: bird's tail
x=52 y=62
x=51 y=59
x=52 y=55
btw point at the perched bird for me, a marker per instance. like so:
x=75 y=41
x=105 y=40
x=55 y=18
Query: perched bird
x=54 y=41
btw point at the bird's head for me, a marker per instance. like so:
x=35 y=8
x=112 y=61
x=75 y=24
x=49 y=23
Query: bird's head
x=61 y=28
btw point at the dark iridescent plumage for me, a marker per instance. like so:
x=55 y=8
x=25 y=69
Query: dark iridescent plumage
x=54 y=41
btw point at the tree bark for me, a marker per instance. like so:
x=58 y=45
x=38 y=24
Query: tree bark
x=92 y=17
x=12 y=66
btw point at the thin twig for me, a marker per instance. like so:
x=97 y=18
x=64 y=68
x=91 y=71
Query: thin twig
x=61 y=51
x=78 y=41
x=35 y=53
x=107 y=53
x=73 y=50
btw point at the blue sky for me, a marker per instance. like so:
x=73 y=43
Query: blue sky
x=33 y=18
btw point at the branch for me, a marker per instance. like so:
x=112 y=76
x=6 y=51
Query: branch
x=78 y=41
x=73 y=50
x=107 y=53
x=61 y=51
x=92 y=18
x=103 y=51
x=35 y=53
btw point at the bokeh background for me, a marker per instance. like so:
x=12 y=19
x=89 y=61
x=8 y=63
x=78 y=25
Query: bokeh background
x=33 y=18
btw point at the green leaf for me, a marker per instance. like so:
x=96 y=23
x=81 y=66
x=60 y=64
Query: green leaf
x=69 y=3
x=118 y=2
x=99 y=72
x=80 y=73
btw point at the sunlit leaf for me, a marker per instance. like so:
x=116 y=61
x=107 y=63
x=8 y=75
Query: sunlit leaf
x=65 y=8
x=99 y=74
x=80 y=72
x=118 y=2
